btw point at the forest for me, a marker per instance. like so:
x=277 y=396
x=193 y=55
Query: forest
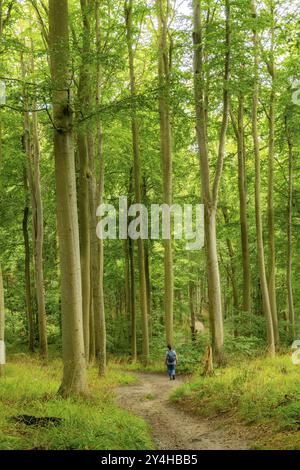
x=132 y=132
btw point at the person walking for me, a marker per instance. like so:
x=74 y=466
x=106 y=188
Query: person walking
x=171 y=362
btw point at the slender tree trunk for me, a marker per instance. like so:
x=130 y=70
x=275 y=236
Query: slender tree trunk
x=258 y=217
x=148 y=285
x=132 y=282
x=147 y=248
x=39 y=239
x=28 y=186
x=192 y=310
x=127 y=278
x=84 y=102
x=84 y=232
x=290 y=300
x=239 y=132
x=132 y=301
x=29 y=311
x=94 y=273
x=32 y=151
x=74 y=373
x=137 y=180
x=232 y=270
x=271 y=235
x=210 y=198
x=92 y=343
x=163 y=7
x=98 y=286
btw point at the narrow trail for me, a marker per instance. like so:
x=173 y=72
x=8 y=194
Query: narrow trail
x=172 y=428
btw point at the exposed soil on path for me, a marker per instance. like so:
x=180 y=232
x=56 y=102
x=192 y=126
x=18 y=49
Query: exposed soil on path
x=172 y=428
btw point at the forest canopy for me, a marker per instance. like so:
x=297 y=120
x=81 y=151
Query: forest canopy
x=160 y=102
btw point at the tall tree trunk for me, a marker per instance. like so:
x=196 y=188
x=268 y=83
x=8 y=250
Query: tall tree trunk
x=271 y=235
x=74 y=372
x=163 y=7
x=84 y=91
x=39 y=239
x=137 y=180
x=192 y=309
x=232 y=271
x=239 y=132
x=29 y=312
x=32 y=151
x=258 y=217
x=147 y=248
x=210 y=198
x=92 y=343
x=132 y=301
x=127 y=278
x=289 y=285
x=148 y=285
x=98 y=262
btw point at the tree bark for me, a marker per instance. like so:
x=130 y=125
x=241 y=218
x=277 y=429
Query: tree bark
x=74 y=371
x=232 y=271
x=192 y=310
x=258 y=217
x=210 y=197
x=270 y=201
x=127 y=278
x=29 y=311
x=98 y=257
x=84 y=93
x=39 y=239
x=132 y=301
x=163 y=7
x=32 y=151
x=239 y=132
x=290 y=299
x=137 y=180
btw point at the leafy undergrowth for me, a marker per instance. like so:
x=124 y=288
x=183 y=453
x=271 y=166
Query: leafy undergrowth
x=263 y=395
x=94 y=422
x=190 y=358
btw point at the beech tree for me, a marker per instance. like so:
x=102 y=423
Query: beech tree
x=164 y=64
x=210 y=194
x=97 y=198
x=258 y=216
x=84 y=101
x=137 y=179
x=74 y=374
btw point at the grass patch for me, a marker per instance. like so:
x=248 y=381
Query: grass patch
x=260 y=393
x=86 y=423
x=155 y=367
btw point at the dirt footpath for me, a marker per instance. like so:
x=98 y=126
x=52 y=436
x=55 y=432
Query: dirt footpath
x=172 y=428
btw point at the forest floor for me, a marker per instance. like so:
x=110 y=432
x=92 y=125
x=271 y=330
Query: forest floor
x=33 y=416
x=171 y=427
